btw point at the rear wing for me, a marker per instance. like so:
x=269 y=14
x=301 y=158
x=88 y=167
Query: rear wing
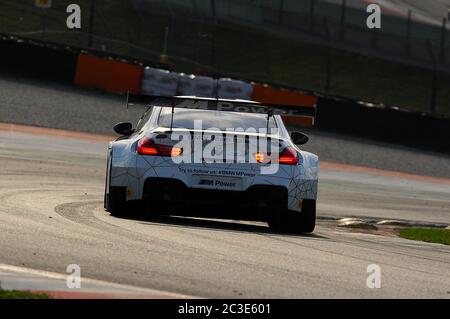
x=223 y=105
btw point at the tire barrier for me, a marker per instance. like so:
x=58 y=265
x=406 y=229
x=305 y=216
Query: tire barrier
x=268 y=94
x=203 y=86
x=166 y=83
x=28 y=58
x=234 y=89
x=159 y=82
x=108 y=74
x=393 y=125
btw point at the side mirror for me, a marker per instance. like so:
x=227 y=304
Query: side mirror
x=124 y=128
x=299 y=138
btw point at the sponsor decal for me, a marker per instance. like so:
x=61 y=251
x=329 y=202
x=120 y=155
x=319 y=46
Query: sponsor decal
x=217 y=182
x=206 y=182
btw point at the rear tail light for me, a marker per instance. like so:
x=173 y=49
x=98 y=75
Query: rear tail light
x=288 y=156
x=146 y=146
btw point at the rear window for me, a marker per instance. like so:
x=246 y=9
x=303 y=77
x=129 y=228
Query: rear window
x=184 y=118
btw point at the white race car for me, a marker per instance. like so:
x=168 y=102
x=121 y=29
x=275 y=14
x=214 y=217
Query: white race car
x=208 y=157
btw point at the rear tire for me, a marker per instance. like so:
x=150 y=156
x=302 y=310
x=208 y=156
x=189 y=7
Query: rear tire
x=116 y=202
x=308 y=216
x=296 y=222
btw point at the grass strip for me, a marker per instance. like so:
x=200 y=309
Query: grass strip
x=430 y=235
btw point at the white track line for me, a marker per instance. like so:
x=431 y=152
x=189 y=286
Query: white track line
x=111 y=287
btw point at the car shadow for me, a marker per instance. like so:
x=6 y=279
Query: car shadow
x=218 y=224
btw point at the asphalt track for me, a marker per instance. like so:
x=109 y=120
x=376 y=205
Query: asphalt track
x=51 y=215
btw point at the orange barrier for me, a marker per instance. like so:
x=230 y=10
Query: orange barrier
x=266 y=94
x=107 y=74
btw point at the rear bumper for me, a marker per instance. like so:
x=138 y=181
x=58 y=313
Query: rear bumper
x=255 y=203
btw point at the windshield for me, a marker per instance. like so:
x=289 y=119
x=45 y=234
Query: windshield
x=184 y=118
